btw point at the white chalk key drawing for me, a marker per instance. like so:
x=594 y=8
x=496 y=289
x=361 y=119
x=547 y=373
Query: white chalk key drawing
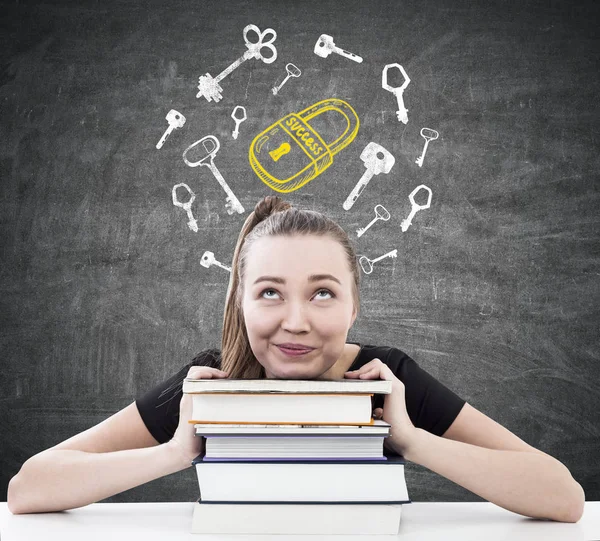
x=405 y=224
x=187 y=206
x=429 y=135
x=377 y=160
x=175 y=120
x=292 y=71
x=381 y=213
x=208 y=259
x=210 y=88
x=238 y=119
x=402 y=111
x=325 y=46
x=211 y=146
x=366 y=264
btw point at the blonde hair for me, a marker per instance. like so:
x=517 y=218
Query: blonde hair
x=271 y=217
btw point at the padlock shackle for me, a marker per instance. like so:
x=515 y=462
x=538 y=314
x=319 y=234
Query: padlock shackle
x=342 y=107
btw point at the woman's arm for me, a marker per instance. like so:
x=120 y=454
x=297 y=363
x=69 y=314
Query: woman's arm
x=524 y=481
x=115 y=455
x=84 y=470
x=482 y=456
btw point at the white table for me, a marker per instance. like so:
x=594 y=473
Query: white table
x=171 y=521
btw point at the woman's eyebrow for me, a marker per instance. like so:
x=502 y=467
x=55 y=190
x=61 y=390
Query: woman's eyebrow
x=311 y=278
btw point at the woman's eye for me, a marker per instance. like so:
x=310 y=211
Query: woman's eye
x=326 y=291
x=268 y=291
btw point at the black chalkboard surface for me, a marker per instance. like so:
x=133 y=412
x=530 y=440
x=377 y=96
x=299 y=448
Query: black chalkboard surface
x=494 y=289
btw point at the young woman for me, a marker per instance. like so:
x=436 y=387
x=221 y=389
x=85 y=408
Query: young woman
x=293 y=295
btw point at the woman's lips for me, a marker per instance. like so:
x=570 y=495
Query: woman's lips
x=294 y=352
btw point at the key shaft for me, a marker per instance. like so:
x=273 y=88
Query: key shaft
x=230 y=68
x=358 y=189
x=347 y=54
x=233 y=203
x=419 y=160
x=402 y=111
x=217 y=174
x=360 y=232
x=165 y=136
x=276 y=89
x=393 y=253
x=192 y=223
x=218 y=264
x=406 y=223
x=381 y=213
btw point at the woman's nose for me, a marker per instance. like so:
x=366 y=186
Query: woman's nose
x=295 y=318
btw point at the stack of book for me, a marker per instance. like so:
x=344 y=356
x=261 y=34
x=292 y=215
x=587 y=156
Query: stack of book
x=294 y=457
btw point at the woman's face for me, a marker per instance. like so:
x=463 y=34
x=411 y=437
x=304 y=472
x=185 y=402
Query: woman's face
x=297 y=290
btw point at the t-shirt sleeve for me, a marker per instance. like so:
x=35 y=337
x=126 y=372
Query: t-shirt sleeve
x=159 y=406
x=430 y=404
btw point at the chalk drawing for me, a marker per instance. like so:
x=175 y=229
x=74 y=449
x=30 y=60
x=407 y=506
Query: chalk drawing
x=211 y=146
x=208 y=259
x=398 y=92
x=429 y=135
x=377 y=160
x=187 y=206
x=366 y=264
x=238 y=119
x=405 y=224
x=209 y=87
x=292 y=71
x=325 y=46
x=175 y=120
x=381 y=213
x=290 y=152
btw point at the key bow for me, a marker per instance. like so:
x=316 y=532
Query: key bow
x=255 y=48
x=211 y=150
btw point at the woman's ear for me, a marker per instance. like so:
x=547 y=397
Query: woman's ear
x=354 y=314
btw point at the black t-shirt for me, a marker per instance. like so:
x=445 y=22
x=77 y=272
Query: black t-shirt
x=430 y=405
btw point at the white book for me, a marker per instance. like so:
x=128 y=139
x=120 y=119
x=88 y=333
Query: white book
x=272 y=385
x=378 y=428
x=323 y=409
x=303 y=480
x=264 y=447
x=297 y=518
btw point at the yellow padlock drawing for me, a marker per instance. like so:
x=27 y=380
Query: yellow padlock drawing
x=290 y=152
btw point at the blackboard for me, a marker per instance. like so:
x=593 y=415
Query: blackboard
x=495 y=287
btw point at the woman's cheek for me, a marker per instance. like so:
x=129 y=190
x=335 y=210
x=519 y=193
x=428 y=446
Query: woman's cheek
x=259 y=321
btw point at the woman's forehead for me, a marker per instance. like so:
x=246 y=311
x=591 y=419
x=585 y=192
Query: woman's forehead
x=298 y=256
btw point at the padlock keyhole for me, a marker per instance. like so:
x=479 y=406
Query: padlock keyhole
x=280 y=151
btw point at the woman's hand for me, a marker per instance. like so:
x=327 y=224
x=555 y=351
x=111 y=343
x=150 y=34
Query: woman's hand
x=184 y=441
x=402 y=432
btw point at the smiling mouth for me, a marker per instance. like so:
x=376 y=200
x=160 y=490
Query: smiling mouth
x=289 y=350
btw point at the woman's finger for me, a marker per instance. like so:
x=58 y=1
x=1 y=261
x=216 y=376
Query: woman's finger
x=366 y=367
x=371 y=374
x=203 y=372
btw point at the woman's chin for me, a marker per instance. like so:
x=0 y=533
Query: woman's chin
x=293 y=372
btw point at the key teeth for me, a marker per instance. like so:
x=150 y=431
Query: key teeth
x=208 y=88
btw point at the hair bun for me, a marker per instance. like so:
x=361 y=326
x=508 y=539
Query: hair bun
x=269 y=205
